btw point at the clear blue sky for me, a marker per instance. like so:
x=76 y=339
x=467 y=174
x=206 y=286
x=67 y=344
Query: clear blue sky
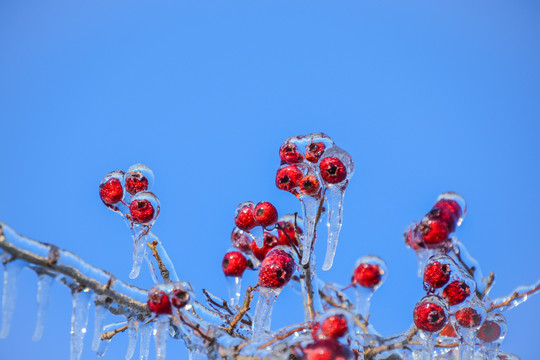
x=426 y=96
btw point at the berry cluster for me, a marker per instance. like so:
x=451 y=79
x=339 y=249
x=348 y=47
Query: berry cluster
x=310 y=163
x=127 y=193
x=330 y=333
x=163 y=298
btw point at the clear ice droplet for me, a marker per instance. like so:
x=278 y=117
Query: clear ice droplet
x=263 y=313
x=133 y=327
x=234 y=286
x=43 y=296
x=146 y=335
x=99 y=318
x=11 y=274
x=161 y=331
x=79 y=320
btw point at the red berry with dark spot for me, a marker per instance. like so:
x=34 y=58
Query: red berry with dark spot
x=241 y=240
x=310 y=185
x=136 y=182
x=179 y=298
x=436 y=275
x=269 y=242
x=489 y=332
x=334 y=326
x=434 y=232
x=265 y=214
x=276 y=269
x=288 y=178
x=234 y=264
x=158 y=302
x=245 y=219
x=289 y=154
x=327 y=349
x=332 y=170
x=452 y=206
x=286 y=233
x=429 y=316
x=468 y=317
x=411 y=240
x=367 y=275
x=111 y=192
x=314 y=151
x=445 y=216
x=142 y=211
x=456 y=292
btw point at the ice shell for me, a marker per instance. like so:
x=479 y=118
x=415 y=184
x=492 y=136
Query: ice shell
x=45 y=282
x=138 y=171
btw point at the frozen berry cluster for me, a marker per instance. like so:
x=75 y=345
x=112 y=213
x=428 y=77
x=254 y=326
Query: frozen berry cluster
x=164 y=298
x=128 y=193
x=310 y=163
x=330 y=332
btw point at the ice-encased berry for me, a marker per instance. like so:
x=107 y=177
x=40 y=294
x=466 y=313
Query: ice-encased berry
x=142 y=211
x=241 y=240
x=288 y=178
x=179 y=298
x=234 y=263
x=334 y=327
x=270 y=241
x=333 y=171
x=111 y=192
x=436 y=275
x=367 y=275
x=276 y=269
x=289 y=154
x=489 y=331
x=456 y=292
x=136 y=182
x=265 y=214
x=327 y=349
x=310 y=185
x=158 y=302
x=434 y=232
x=286 y=233
x=314 y=151
x=245 y=219
x=468 y=317
x=429 y=316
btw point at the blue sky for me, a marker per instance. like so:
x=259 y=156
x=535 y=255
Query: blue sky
x=426 y=97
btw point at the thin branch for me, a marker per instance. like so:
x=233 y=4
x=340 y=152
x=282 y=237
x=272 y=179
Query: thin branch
x=110 y=334
x=243 y=310
x=284 y=335
x=372 y=351
x=162 y=267
x=515 y=295
x=489 y=284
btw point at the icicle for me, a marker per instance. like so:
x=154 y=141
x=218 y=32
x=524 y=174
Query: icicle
x=133 y=327
x=428 y=345
x=334 y=201
x=146 y=333
x=310 y=206
x=43 y=296
x=263 y=313
x=79 y=320
x=11 y=273
x=139 y=246
x=161 y=331
x=103 y=344
x=234 y=286
x=99 y=318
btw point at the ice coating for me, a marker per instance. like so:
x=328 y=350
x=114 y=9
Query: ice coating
x=104 y=344
x=139 y=247
x=161 y=332
x=234 y=286
x=79 y=320
x=263 y=313
x=100 y=312
x=136 y=173
x=9 y=296
x=310 y=207
x=43 y=298
x=467 y=321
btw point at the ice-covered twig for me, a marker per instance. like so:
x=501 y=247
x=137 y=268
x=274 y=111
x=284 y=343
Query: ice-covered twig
x=370 y=352
x=519 y=296
x=284 y=335
x=110 y=334
x=243 y=310
x=164 y=271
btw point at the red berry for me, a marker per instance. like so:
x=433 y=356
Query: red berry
x=367 y=275
x=436 y=275
x=142 y=211
x=451 y=205
x=445 y=216
x=136 y=182
x=314 y=151
x=265 y=214
x=327 y=349
x=332 y=170
x=429 y=317
x=241 y=240
x=489 y=332
x=179 y=298
x=309 y=185
x=289 y=154
x=334 y=326
x=234 y=263
x=111 y=191
x=158 y=302
x=288 y=178
x=269 y=242
x=411 y=240
x=245 y=219
x=456 y=292
x=468 y=317
x=287 y=228
x=276 y=269
x=434 y=232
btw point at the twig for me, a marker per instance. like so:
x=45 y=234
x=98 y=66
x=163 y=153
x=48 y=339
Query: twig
x=357 y=321
x=243 y=310
x=110 y=334
x=283 y=336
x=224 y=305
x=196 y=328
x=372 y=351
x=291 y=243
x=515 y=295
x=162 y=267
x=489 y=284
